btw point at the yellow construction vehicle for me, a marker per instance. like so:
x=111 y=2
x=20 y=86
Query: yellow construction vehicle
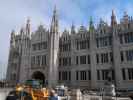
x=33 y=88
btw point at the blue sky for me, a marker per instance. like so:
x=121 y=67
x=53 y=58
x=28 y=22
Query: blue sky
x=13 y=14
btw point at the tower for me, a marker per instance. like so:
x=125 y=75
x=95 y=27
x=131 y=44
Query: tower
x=92 y=54
x=113 y=19
x=53 y=56
x=28 y=27
x=22 y=32
x=73 y=29
x=25 y=55
x=126 y=20
x=125 y=17
x=14 y=59
x=10 y=57
x=116 y=51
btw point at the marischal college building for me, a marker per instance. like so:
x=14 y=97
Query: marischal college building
x=85 y=58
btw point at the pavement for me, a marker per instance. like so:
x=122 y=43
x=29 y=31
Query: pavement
x=90 y=97
x=4 y=92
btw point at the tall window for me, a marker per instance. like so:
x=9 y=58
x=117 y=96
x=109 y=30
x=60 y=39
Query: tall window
x=82 y=44
x=60 y=59
x=38 y=60
x=59 y=75
x=104 y=41
x=123 y=74
x=111 y=57
x=44 y=45
x=77 y=61
x=110 y=40
x=77 y=75
x=128 y=37
x=122 y=56
x=77 y=44
x=65 y=47
x=105 y=74
x=69 y=75
x=89 y=75
x=39 y=46
x=98 y=74
x=82 y=75
x=88 y=44
x=129 y=55
x=34 y=47
x=60 y=47
x=120 y=38
x=130 y=73
x=113 y=75
x=64 y=75
x=65 y=61
x=104 y=57
x=69 y=60
x=89 y=59
x=97 y=58
x=32 y=60
x=44 y=60
x=13 y=76
x=83 y=59
x=97 y=42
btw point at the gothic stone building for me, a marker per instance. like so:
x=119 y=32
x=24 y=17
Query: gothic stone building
x=84 y=58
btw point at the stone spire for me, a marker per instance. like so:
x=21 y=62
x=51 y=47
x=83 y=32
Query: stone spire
x=54 y=23
x=22 y=32
x=28 y=27
x=113 y=19
x=73 y=29
x=12 y=41
x=53 y=51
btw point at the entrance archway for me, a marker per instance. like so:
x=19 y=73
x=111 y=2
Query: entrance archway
x=38 y=76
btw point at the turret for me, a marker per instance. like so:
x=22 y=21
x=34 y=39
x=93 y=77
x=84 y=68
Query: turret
x=22 y=32
x=113 y=19
x=101 y=23
x=125 y=18
x=125 y=21
x=28 y=28
x=82 y=29
x=12 y=41
x=65 y=32
x=73 y=29
x=91 y=25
